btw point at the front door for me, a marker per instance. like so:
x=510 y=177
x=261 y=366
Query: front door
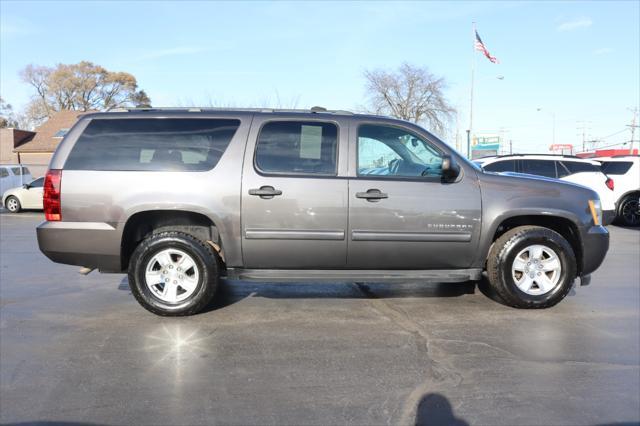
x=294 y=203
x=401 y=214
x=32 y=197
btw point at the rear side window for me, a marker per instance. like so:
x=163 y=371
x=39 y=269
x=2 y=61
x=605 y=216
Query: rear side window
x=20 y=171
x=501 y=166
x=152 y=144
x=616 y=167
x=296 y=147
x=539 y=167
x=579 y=167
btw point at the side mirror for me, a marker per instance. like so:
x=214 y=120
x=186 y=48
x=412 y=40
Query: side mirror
x=26 y=186
x=450 y=169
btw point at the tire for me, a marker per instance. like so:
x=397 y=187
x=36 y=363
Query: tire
x=629 y=210
x=512 y=253
x=12 y=204
x=154 y=270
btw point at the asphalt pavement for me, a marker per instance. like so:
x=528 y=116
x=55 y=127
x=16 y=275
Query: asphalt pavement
x=79 y=349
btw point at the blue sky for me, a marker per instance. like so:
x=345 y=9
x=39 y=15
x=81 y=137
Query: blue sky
x=578 y=61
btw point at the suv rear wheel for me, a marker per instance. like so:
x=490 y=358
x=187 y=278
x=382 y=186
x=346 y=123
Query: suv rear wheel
x=173 y=274
x=531 y=267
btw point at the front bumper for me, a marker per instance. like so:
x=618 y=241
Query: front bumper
x=595 y=244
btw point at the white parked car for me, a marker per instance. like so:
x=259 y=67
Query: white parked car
x=625 y=171
x=13 y=175
x=564 y=167
x=28 y=196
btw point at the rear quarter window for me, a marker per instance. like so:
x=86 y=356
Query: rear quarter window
x=579 y=167
x=616 y=167
x=152 y=144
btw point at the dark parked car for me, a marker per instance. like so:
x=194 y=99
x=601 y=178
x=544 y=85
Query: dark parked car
x=182 y=197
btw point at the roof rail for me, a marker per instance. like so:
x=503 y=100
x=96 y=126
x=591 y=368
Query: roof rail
x=315 y=109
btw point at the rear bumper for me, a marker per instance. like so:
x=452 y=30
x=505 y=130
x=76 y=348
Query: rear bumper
x=88 y=244
x=608 y=216
x=595 y=244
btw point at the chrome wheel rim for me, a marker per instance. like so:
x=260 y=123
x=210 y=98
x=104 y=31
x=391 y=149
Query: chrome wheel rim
x=172 y=275
x=631 y=212
x=536 y=270
x=12 y=204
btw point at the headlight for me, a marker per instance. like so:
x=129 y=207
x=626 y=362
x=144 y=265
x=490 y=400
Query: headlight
x=596 y=211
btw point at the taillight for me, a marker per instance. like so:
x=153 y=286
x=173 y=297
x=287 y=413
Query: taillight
x=609 y=183
x=51 y=198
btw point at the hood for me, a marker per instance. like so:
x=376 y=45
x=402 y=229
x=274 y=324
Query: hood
x=526 y=176
x=534 y=186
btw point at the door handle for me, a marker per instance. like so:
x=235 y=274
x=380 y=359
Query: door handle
x=265 y=192
x=372 y=195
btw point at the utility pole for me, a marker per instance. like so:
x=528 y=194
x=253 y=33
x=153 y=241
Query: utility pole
x=633 y=127
x=510 y=146
x=584 y=127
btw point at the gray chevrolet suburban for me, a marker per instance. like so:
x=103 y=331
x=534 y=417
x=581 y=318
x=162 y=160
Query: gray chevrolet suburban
x=179 y=198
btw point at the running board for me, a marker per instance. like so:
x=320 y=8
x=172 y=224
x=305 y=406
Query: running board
x=349 y=275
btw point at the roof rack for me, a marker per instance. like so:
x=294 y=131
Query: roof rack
x=315 y=110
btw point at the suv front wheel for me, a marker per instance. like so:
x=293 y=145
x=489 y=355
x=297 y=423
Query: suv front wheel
x=173 y=274
x=531 y=267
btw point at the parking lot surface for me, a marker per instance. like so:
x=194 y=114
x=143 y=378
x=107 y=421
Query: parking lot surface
x=80 y=349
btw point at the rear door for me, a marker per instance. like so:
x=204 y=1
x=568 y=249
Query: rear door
x=294 y=201
x=401 y=214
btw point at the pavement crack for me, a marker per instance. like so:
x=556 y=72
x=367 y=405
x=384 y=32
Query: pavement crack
x=439 y=371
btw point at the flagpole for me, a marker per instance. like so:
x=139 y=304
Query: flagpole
x=473 y=66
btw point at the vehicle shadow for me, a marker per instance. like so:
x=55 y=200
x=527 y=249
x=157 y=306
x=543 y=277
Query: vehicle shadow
x=435 y=409
x=231 y=291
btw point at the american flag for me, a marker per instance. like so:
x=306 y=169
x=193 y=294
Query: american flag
x=480 y=46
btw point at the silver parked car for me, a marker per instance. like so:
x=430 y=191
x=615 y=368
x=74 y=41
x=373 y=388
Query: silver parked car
x=179 y=198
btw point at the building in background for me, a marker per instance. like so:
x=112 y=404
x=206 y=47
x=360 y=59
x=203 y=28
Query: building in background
x=485 y=146
x=36 y=152
x=10 y=139
x=607 y=152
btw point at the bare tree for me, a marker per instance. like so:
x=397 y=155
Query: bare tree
x=7 y=116
x=83 y=86
x=410 y=93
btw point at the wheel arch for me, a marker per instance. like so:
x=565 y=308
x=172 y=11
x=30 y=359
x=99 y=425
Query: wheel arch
x=144 y=223
x=564 y=226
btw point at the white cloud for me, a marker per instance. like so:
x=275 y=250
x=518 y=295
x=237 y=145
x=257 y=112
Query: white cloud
x=602 y=51
x=182 y=50
x=574 y=24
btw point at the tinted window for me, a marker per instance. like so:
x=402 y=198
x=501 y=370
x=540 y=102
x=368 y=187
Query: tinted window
x=562 y=170
x=17 y=171
x=297 y=147
x=38 y=183
x=579 y=167
x=389 y=151
x=616 y=167
x=501 y=166
x=152 y=144
x=3 y=172
x=539 y=167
